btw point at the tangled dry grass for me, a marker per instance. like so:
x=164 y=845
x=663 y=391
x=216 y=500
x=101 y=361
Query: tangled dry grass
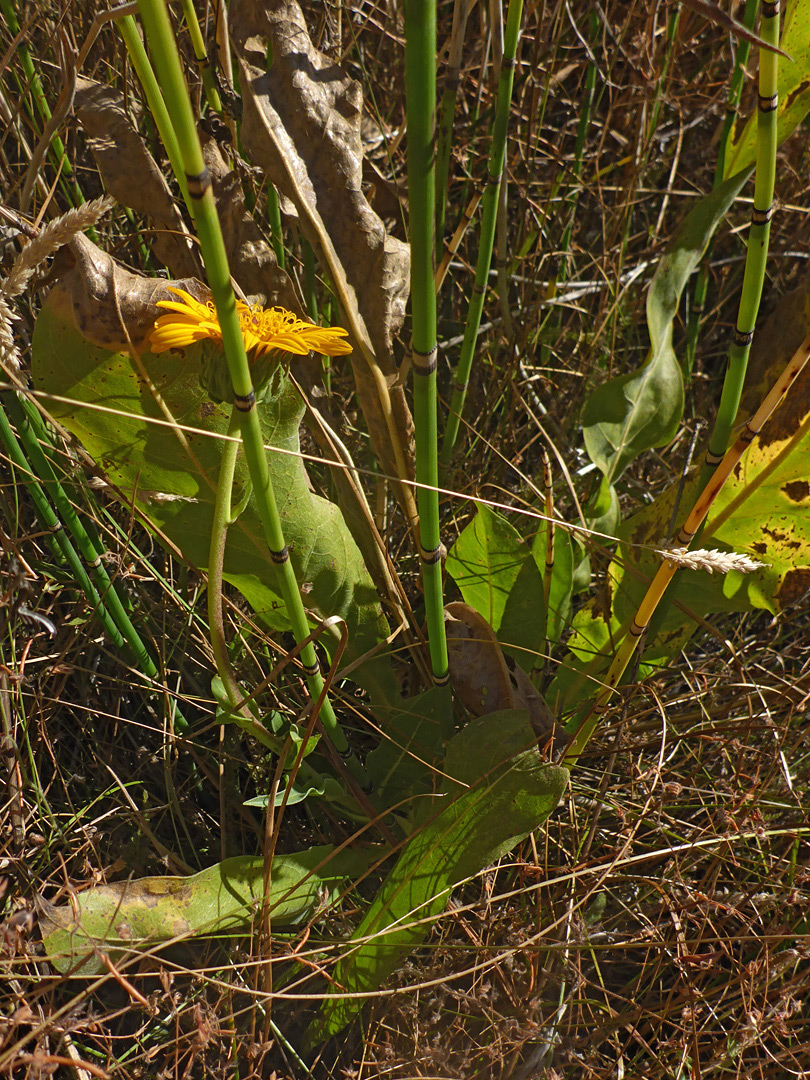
x=658 y=929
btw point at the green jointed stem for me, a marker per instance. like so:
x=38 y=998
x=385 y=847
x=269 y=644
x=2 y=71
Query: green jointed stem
x=59 y=540
x=274 y=218
x=420 y=96
x=759 y=234
x=167 y=64
x=154 y=99
x=734 y=94
x=198 y=45
x=489 y=214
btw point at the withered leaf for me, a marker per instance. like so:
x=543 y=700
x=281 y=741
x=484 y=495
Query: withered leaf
x=301 y=124
x=109 y=302
x=485 y=680
x=130 y=173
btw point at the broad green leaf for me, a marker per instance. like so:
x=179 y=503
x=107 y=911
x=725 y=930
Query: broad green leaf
x=642 y=409
x=793 y=87
x=130 y=916
x=522 y=631
x=404 y=764
x=485 y=562
x=171 y=476
x=501 y=576
x=498 y=790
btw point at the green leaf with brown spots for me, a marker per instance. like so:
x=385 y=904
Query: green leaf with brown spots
x=127 y=917
x=762 y=511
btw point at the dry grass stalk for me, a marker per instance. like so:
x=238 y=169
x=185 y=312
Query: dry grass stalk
x=710 y=559
x=9 y=353
x=54 y=235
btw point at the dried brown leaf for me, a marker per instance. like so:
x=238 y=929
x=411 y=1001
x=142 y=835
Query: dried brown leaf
x=130 y=173
x=486 y=680
x=301 y=124
x=108 y=302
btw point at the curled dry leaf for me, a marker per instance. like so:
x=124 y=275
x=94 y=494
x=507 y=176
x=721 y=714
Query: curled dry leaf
x=108 y=302
x=486 y=681
x=130 y=173
x=301 y=124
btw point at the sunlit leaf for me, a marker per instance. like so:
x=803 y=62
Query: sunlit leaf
x=129 y=916
x=498 y=790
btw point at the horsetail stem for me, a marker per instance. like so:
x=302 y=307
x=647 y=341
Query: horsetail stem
x=489 y=214
x=420 y=93
x=198 y=180
x=758 y=238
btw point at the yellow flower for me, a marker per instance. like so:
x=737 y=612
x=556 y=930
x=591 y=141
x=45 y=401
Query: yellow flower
x=264 y=331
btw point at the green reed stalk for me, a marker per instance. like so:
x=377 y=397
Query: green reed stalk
x=154 y=99
x=201 y=56
x=420 y=96
x=758 y=238
x=274 y=219
x=58 y=539
x=734 y=94
x=489 y=215
x=167 y=63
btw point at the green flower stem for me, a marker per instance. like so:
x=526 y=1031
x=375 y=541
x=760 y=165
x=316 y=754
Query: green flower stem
x=154 y=99
x=223 y=515
x=167 y=63
x=420 y=96
x=489 y=214
x=734 y=94
x=758 y=237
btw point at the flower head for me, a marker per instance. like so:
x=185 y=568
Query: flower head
x=264 y=330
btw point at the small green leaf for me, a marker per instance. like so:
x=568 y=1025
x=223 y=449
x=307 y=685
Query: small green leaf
x=642 y=409
x=485 y=562
x=522 y=631
x=562 y=580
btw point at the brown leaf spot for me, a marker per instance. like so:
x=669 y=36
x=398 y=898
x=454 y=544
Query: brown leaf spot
x=797 y=490
x=794 y=585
